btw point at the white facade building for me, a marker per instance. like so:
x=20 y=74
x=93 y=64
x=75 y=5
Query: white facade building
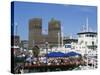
x=87 y=41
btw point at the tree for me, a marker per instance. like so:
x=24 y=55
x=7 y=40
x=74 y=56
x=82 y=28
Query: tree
x=36 y=51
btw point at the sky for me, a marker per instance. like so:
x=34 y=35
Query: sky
x=72 y=17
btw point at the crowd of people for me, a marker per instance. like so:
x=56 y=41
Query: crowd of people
x=30 y=60
x=65 y=61
x=53 y=61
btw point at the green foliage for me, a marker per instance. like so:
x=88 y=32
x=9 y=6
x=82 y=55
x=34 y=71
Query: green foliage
x=36 y=51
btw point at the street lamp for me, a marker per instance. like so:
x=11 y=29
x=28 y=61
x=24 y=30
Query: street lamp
x=46 y=44
x=86 y=53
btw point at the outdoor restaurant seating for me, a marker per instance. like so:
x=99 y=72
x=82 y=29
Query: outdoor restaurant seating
x=57 y=58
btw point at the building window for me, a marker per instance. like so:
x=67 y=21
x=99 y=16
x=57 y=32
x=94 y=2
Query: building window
x=79 y=35
x=90 y=35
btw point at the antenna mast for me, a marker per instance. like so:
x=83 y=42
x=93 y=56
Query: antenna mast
x=87 y=25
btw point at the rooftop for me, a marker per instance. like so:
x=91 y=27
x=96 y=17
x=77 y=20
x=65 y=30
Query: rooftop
x=86 y=33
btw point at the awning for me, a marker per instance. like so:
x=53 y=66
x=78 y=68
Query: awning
x=69 y=54
x=56 y=54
